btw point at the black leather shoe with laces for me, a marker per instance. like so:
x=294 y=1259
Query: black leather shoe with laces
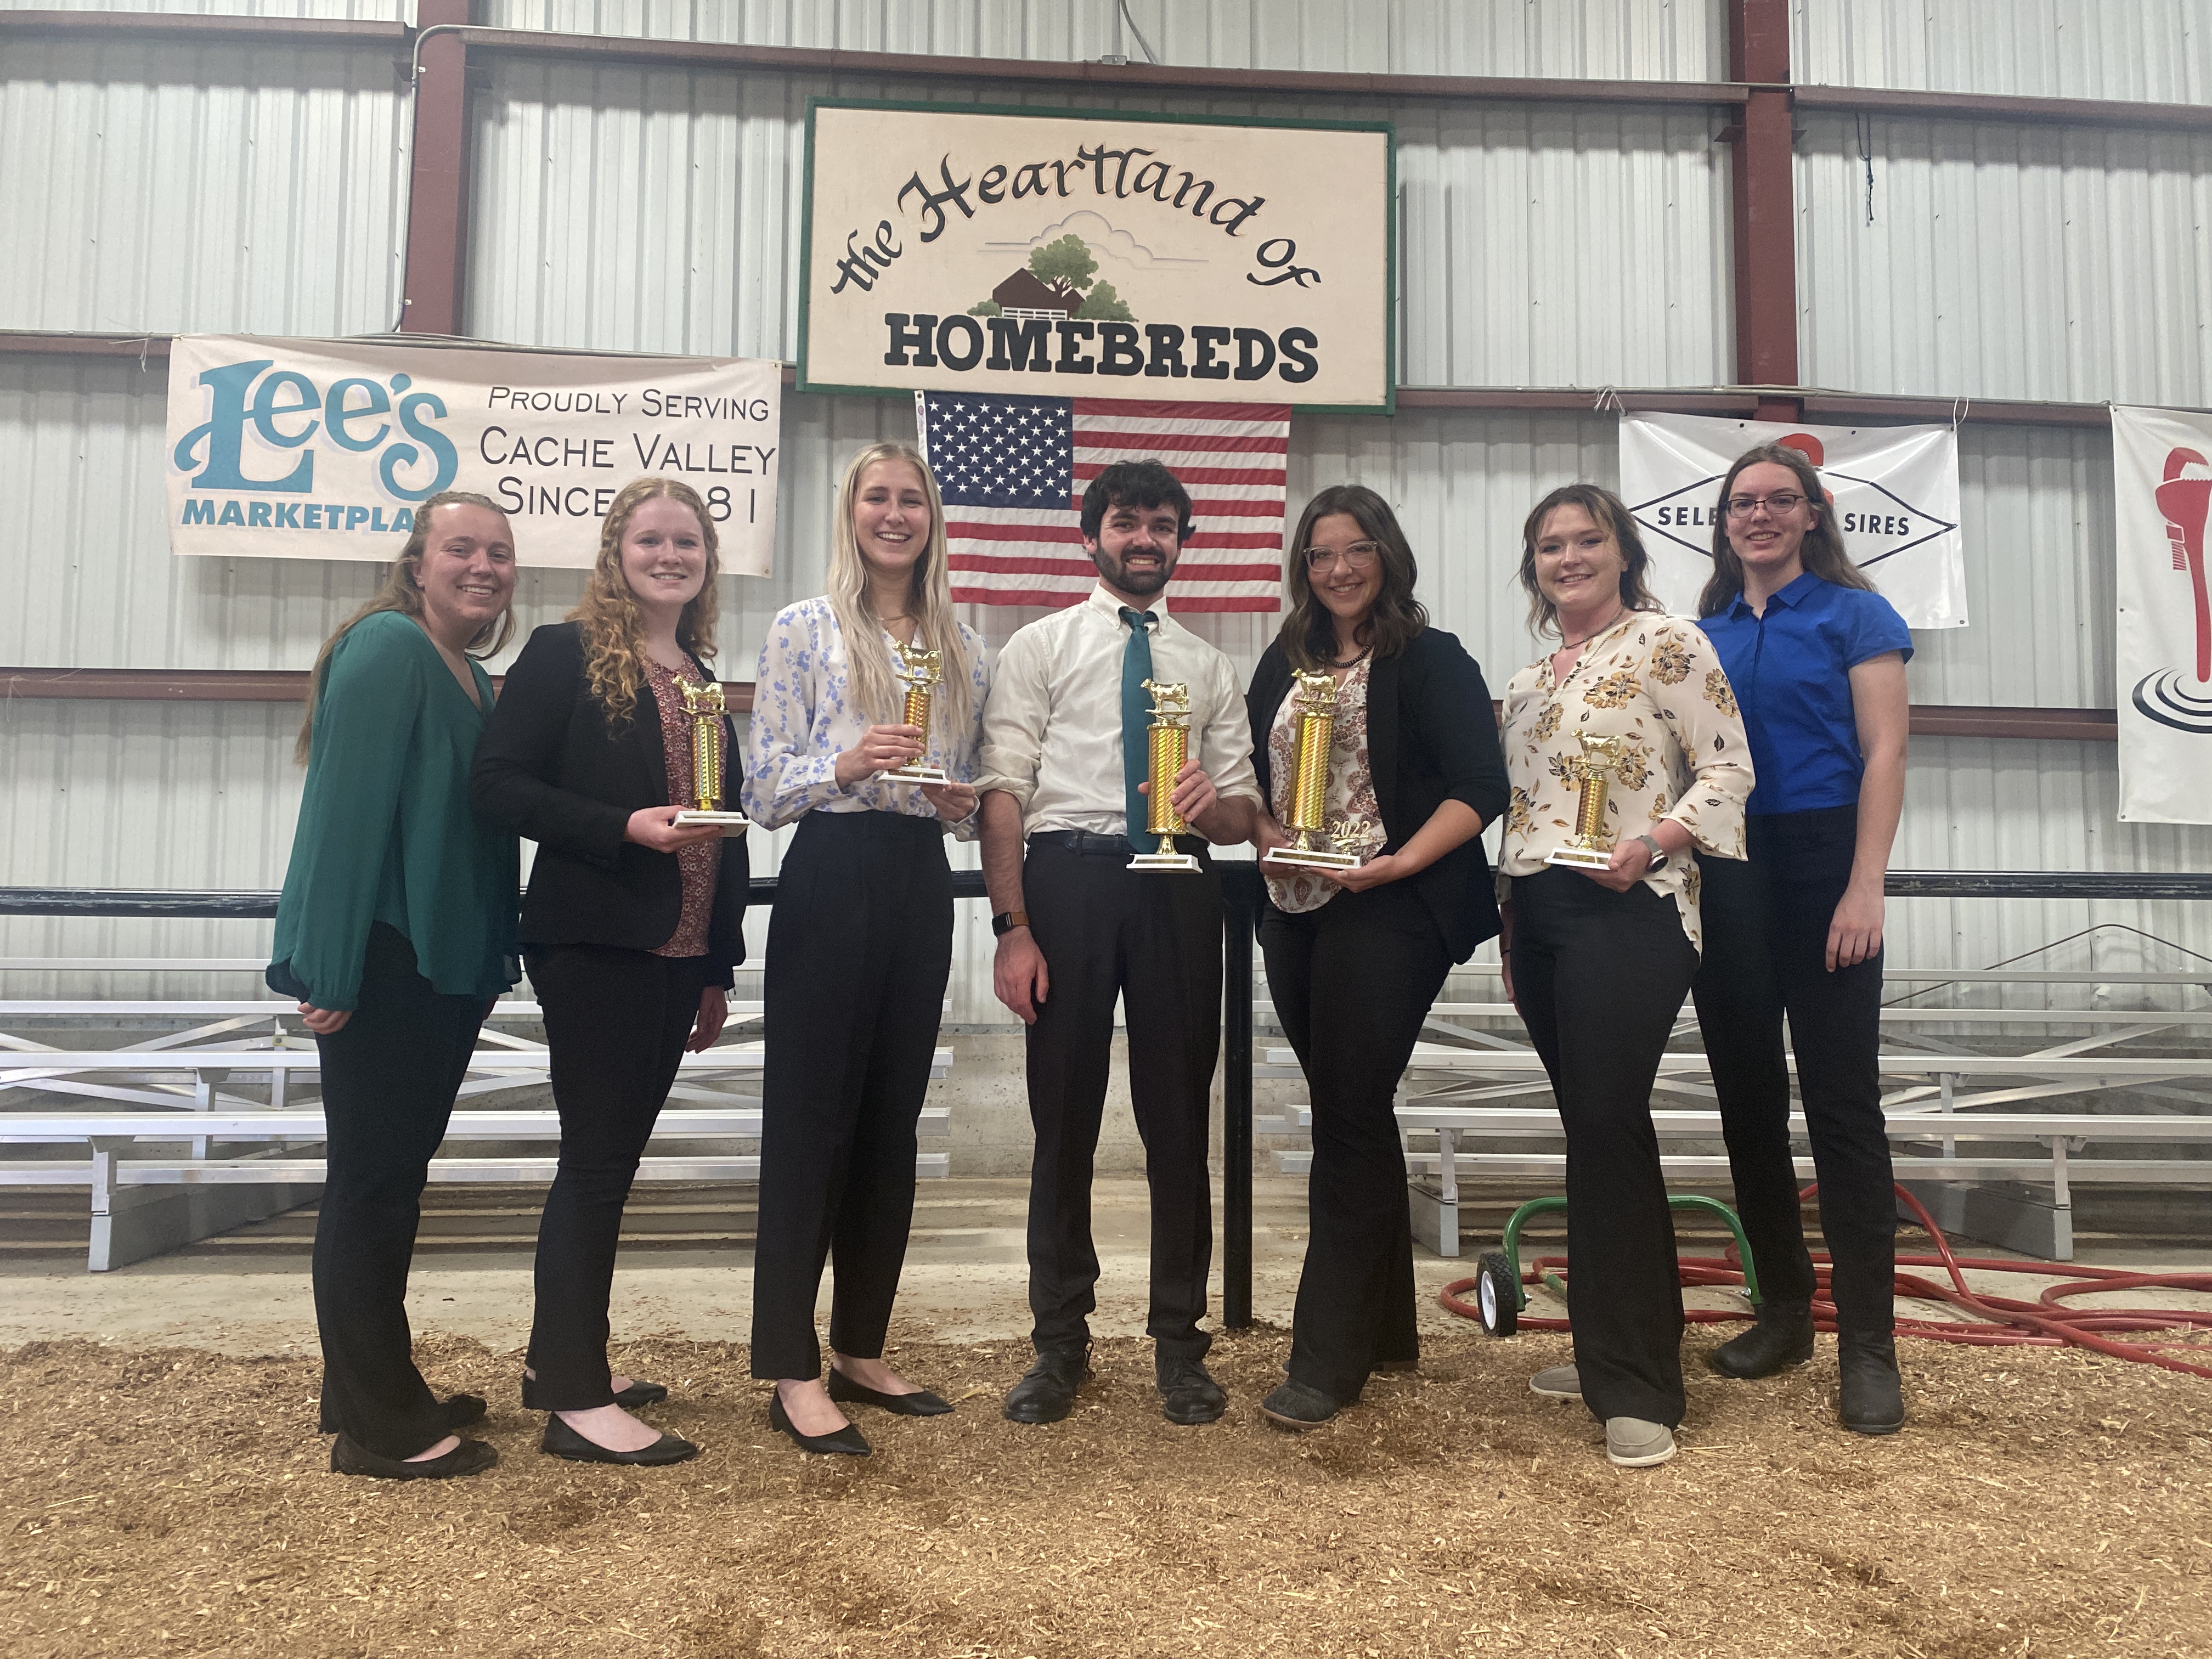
x=1188 y=1394
x=1871 y=1400
x=1047 y=1391
x=1782 y=1338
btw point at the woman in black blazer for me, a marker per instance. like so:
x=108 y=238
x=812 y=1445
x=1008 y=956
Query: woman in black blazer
x=630 y=929
x=1355 y=958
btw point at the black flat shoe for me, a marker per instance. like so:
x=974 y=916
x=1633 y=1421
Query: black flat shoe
x=1871 y=1397
x=1296 y=1406
x=460 y=1411
x=848 y=1440
x=638 y=1394
x=1046 y=1392
x=1187 y=1396
x=562 y=1441
x=1782 y=1337
x=470 y=1458
x=921 y=1403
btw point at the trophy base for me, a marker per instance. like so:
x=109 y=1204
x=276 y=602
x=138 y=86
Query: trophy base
x=1168 y=863
x=1583 y=858
x=919 y=775
x=734 y=824
x=1312 y=859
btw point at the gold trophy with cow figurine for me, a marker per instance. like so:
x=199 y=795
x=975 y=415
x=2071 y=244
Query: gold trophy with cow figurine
x=706 y=706
x=1591 y=847
x=1170 y=742
x=922 y=671
x=1317 y=841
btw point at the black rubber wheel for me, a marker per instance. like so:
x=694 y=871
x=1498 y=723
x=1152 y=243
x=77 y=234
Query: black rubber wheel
x=1497 y=1294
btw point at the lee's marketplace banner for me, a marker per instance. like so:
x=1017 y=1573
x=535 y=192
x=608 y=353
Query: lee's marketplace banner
x=2161 y=486
x=1895 y=492
x=1097 y=255
x=323 y=449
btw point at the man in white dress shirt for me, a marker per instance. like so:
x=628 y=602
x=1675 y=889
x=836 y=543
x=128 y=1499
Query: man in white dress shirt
x=1064 y=750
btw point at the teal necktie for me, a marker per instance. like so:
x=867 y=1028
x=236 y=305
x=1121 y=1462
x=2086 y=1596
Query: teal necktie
x=1137 y=723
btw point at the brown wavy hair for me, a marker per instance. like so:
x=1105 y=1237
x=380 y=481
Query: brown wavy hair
x=1309 y=630
x=1822 y=551
x=607 y=620
x=1614 y=518
x=403 y=592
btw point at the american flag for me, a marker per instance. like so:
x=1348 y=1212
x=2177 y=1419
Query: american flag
x=1013 y=471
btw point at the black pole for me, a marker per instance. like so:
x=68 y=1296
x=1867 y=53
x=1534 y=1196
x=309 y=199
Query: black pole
x=1240 y=893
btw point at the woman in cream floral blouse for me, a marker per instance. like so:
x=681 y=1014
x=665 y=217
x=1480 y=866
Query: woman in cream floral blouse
x=1598 y=960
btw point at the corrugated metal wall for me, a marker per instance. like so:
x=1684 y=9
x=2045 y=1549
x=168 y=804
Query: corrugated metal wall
x=2159 y=50
x=629 y=209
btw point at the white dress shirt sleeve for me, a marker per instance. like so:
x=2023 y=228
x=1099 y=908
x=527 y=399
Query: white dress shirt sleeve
x=1226 y=745
x=1014 y=720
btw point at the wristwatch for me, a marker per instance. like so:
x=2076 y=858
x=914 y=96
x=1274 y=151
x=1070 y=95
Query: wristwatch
x=1006 y=920
x=1658 y=854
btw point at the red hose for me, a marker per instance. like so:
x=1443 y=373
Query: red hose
x=1999 y=1321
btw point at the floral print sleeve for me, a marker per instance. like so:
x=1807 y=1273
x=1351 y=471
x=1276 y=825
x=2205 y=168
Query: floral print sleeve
x=804 y=717
x=1654 y=681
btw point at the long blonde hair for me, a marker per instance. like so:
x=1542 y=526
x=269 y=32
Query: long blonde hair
x=403 y=592
x=876 y=690
x=606 y=617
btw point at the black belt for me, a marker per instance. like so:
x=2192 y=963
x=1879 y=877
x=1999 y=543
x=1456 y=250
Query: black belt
x=1090 y=841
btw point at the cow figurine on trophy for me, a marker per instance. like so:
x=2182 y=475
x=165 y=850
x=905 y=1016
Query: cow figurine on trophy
x=1316 y=843
x=1170 y=746
x=922 y=671
x=704 y=704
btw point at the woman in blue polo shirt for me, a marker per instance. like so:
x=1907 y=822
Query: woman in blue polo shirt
x=1816 y=658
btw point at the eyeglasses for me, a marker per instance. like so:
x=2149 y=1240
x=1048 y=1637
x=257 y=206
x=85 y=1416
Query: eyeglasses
x=1360 y=555
x=1781 y=504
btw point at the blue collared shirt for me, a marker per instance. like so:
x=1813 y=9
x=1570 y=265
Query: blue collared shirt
x=1790 y=670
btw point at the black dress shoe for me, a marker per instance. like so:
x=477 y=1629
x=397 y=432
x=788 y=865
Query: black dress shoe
x=1188 y=1394
x=1871 y=1400
x=1047 y=1391
x=459 y=1410
x=1782 y=1337
x=562 y=1440
x=638 y=1394
x=470 y=1458
x=921 y=1403
x=1294 y=1406
x=848 y=1440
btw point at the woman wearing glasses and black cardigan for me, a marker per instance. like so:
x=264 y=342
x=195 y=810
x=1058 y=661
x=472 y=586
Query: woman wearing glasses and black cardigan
x=1356 y=957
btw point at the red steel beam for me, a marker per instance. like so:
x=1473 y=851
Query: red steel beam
x=437 y=190
x=1764 y=220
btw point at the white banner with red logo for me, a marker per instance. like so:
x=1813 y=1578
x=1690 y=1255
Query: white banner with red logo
x=1895 y=491
x=2162 y=644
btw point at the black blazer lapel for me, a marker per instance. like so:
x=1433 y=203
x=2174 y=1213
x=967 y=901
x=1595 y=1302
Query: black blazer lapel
x=1382 y=680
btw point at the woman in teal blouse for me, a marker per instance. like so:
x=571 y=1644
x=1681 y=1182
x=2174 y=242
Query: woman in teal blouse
x=395 y=932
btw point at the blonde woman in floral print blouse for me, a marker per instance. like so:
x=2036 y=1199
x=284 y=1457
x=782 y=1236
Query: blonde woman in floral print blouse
x=1598 y=960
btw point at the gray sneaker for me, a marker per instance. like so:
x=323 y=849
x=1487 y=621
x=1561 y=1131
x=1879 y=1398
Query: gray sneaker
x=1632 y=1444
x=1557 y=1382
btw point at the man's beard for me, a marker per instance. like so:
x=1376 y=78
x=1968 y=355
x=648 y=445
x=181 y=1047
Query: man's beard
x=1138 y=582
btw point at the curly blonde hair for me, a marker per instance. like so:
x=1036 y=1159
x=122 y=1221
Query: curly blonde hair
x=607 y=616
x=403 y=592
x=876 y=690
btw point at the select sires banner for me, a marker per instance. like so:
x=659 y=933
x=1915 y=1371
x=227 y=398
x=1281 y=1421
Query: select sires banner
x=2162 y=488
x=324 y=449
x=1895 y=490
x=1097 y=255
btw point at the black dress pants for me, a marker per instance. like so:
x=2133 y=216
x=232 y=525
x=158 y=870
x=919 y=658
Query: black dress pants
x=617 y=1020
x=1766 y=937
x=1600 y=976
x=389 y=1078
x=1352 y=983
x=1154 y=940
x=859 y=952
